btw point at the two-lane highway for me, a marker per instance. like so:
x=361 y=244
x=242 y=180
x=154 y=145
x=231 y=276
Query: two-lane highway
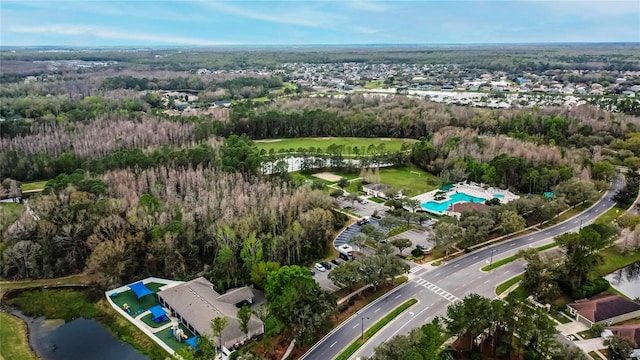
x=439 y=287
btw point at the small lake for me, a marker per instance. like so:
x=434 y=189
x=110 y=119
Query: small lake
x=626 y=280
x=77 y=339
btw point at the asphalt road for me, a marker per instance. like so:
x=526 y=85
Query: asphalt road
x=438 y=287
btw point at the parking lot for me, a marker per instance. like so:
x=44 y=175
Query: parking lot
x=417 y=237
x=322 y=277
x=363 y=210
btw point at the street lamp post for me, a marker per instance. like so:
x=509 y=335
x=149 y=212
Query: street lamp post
x=491 y=261
x=581 y=220
x=362 y=325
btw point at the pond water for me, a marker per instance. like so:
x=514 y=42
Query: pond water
x=626 y=280
x=77 y=339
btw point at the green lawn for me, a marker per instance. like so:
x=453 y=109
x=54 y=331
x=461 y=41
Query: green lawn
x=374 y=84
x=148 y=319
x=410 y=179
x=36 y=185
x=129 y=297
x=325 y=142
x=497 y=264
x=610 y=216
x=167 y=337
x=507 y=284
x=13 y=338
x=351 y=349
x=614 y=260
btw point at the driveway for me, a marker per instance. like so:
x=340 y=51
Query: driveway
x=591 y=344
x=573 y=327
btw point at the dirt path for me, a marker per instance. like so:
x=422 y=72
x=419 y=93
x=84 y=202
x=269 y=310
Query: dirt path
x=77 y=279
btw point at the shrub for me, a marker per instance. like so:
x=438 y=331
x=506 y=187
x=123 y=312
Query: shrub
x=335 y=193
x=416 y=252
x=591 y=288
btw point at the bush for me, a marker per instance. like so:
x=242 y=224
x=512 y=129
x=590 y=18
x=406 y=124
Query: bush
x=591 y=288
x=416 y=252
x=335 y=193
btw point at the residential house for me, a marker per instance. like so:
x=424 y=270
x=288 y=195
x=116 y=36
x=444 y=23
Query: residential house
x=605 y=309
x=196 y=303
x=377 y=190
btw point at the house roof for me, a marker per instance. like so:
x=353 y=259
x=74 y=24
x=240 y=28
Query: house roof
x=198 y=304
x=237 y=295
x=376 y=187
x=604 y=307
x=631 y=331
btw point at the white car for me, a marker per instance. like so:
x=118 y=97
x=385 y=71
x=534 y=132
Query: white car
x=320 y=268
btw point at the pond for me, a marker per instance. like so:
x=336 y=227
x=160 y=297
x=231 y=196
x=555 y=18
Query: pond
x=626 y=280
x=77 y=339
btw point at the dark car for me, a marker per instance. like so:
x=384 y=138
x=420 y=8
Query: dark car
x=313 y=272
x=363 y=221
x=346 y=257
x=326 y=265
x=335 y=262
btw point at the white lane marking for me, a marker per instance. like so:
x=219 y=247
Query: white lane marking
x=475 y=257
x=355 y=326
x=531 y=238
x=436 y=274
x=512 y=244
x=487 y=281
x=562 y=227
x=378 y=309
x=397 y=296
x=456 y=265
x=437 y=290
x=334 y=343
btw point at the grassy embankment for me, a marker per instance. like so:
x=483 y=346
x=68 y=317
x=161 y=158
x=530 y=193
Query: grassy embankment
x=13 y=339
x=351 y=349
x=70 y=304
x=497 y=264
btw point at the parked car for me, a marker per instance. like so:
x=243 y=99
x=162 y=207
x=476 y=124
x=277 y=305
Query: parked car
x=348 y=207
x=346 y=257
x=320 y=268
x=425 y=248
x=335 y=262
x=326 y=265
x=313 y=272
x=363 y=221
x=364 y=201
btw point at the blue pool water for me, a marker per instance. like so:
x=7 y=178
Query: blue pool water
x=460 y=197
x=498 y=196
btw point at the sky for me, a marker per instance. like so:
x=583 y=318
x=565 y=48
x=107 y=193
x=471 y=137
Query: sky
x=147 y=23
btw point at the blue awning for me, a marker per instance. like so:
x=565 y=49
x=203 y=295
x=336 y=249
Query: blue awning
x=193 y=342
x=140 y=289
x=158 y=313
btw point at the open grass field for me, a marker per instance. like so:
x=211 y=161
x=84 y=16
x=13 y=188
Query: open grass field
x=610 y=216
x=410 y=179
x=324 y=142
x=13 y=338
x=374 y=84
x=614 y=260
x=36 y=185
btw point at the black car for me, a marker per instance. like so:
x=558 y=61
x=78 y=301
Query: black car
x=335 y=262
x=313 y=272
x=326 y=265
x=363 y=221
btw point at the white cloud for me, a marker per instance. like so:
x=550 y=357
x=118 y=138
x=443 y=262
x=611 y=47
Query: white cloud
x=367 y=5
x=293 y=15
x=105 y=33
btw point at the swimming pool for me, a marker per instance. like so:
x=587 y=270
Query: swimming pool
x=459 y=197
x=498 y=196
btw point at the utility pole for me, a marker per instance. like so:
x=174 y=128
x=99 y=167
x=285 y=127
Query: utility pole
x=362 y=325
x=491 y=261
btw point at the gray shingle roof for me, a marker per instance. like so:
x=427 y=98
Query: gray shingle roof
x=198 y=304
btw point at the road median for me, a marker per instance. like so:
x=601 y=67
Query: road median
x=354 y=346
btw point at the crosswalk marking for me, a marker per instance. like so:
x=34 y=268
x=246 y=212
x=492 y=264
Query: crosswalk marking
x=436 y=289
x=415 y=269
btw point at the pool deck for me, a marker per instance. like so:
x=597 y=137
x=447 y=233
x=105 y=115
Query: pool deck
x=472 y=189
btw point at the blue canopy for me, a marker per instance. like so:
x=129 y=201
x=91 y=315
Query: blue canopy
x=158 y=313
x=193 y=342
x=140 y=289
